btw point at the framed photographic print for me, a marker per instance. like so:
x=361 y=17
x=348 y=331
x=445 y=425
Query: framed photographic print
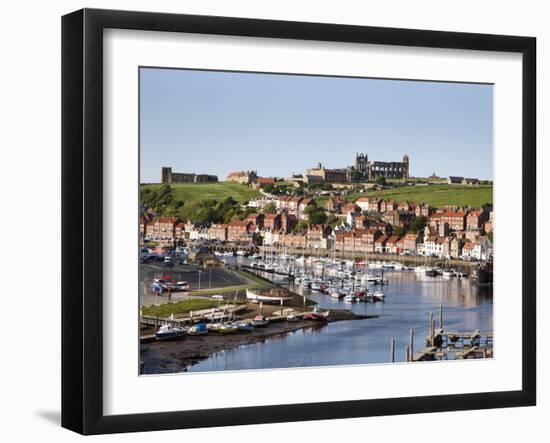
x=268 y=221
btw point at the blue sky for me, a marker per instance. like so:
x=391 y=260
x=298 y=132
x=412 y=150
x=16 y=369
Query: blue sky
x=217 y=122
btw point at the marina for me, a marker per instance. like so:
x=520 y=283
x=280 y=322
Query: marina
x=292 y=337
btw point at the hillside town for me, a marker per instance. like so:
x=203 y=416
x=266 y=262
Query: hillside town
x=367 y=225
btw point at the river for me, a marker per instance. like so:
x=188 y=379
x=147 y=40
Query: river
x=410 y=298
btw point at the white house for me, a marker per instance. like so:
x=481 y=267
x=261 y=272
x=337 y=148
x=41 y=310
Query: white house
x=477 y=250
x=433 y=246
x=363 y=203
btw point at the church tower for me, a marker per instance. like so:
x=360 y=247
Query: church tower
x=361 y=161
x=405 y=166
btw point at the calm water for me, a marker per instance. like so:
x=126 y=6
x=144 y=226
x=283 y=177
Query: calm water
x=409 y=300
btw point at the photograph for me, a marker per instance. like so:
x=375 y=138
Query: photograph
x=293 y=221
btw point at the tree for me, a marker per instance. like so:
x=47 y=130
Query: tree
x=381 y=181
x=300 y=226
x=399 y=231
x=270 y=208
x=418 y=224
x=316 y=216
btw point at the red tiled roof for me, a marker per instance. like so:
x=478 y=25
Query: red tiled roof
x=393 y=239
x=265 y=180
x=239 y=223
x=448 y=214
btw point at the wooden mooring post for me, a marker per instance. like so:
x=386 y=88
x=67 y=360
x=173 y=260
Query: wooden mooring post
x=411 y=342
x=392 y=350
x=431 y=329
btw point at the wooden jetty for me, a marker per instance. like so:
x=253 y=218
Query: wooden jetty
x=441 y=344
x=215 y=314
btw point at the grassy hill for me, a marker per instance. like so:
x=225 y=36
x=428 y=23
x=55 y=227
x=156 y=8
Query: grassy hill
x=436 y=195
x=196 y=201
x=192 y=192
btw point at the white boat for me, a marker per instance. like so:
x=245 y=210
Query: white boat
x=169 y=332
x=448 y=273
x=292 y=318
x=255 y=296
x=227 y=328
x=379 y=295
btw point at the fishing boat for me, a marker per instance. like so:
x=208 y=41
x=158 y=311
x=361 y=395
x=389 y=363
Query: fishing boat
x=317 y=314
x=169 y=332
x=337 y=294
x=198 y=329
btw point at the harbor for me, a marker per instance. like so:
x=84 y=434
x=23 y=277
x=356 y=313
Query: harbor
x=359 y=328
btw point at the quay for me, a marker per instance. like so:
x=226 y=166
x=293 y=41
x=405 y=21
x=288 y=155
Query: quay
x=370 y=256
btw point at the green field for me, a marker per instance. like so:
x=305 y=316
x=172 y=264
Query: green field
x=436 y=195
x=194 y=192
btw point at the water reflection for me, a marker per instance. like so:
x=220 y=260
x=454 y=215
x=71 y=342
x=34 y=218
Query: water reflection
x=409 y=299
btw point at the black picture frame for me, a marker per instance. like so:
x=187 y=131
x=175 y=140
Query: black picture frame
x=82 y=190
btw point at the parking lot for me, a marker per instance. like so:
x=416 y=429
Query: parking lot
x=197 y=277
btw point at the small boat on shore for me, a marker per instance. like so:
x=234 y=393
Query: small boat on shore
x=213 y=327
x=243 y=326
x=198 y=329
x=292 y=318
x=267 y=296
x=169 y=332
x=317 y=314
x=227 y=328
x=260 y=321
